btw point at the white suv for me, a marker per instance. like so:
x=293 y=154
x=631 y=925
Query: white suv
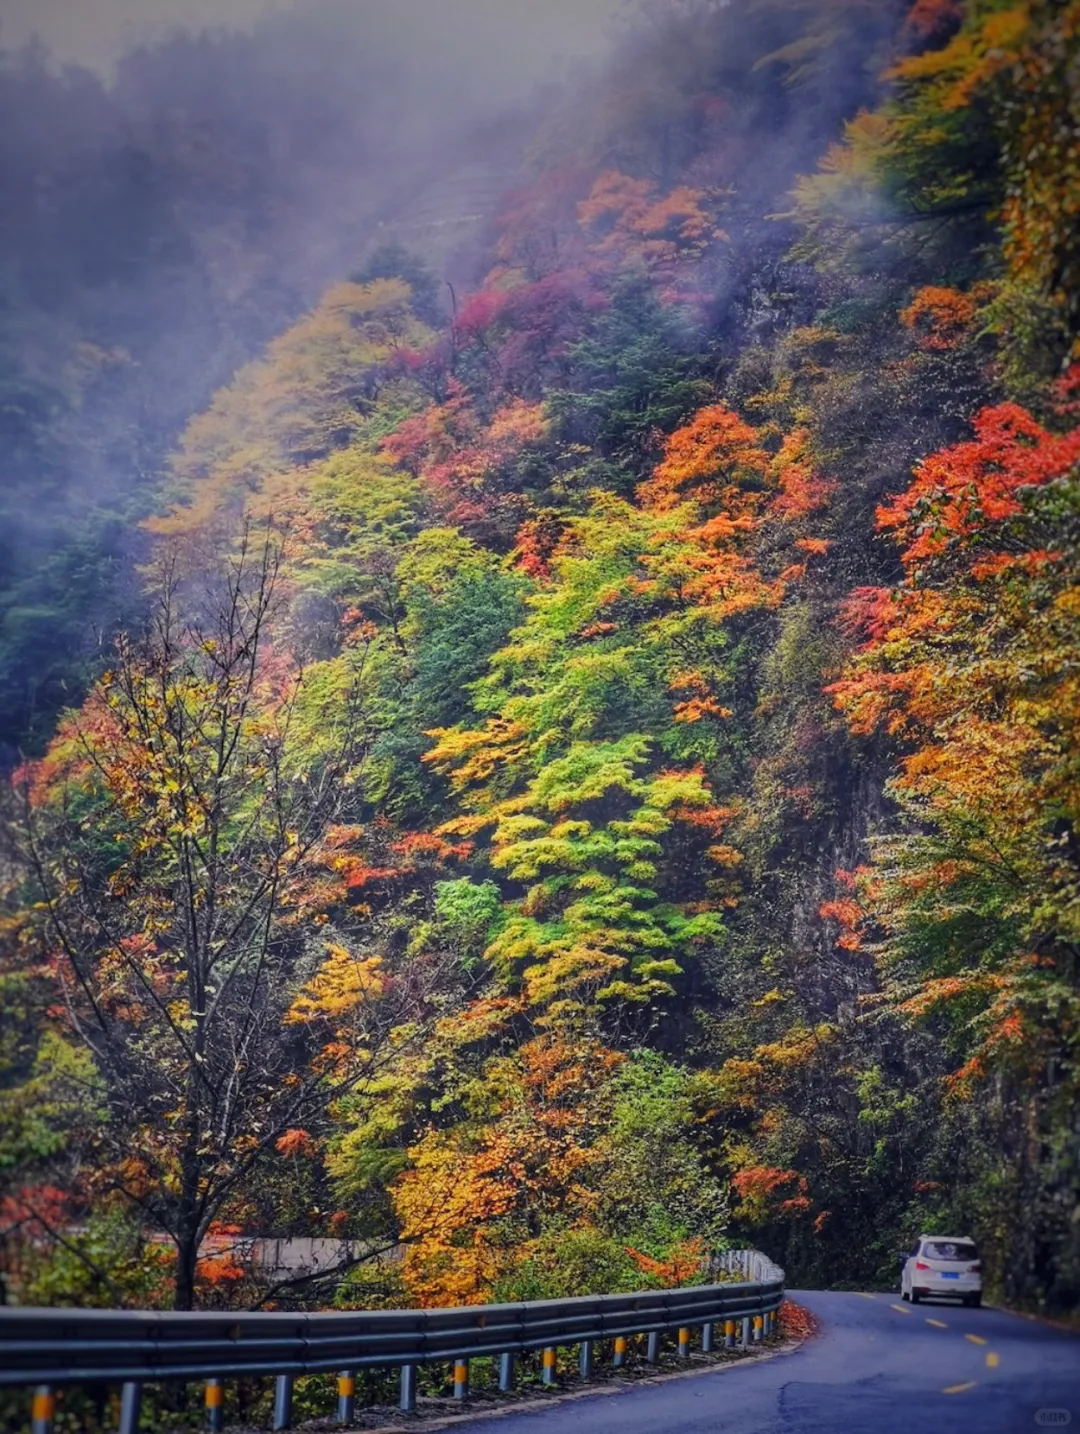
x=945 y=1266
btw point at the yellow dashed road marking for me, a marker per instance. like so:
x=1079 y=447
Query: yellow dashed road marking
x=993 y=1360
x=863 y=1295
x=901 y=1309
x=975 y=1338
x=938 y=1323
x=959 y=1388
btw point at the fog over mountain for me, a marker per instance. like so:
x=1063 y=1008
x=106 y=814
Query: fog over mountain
x=523 y=37
x=539 y=567
x=180 y=180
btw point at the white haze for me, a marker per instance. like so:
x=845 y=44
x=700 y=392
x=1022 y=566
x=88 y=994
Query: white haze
x=521 y=41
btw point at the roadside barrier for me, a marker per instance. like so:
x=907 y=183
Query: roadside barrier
x=47 y=1349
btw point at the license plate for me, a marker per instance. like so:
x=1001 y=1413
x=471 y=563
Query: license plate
x=947 y=1276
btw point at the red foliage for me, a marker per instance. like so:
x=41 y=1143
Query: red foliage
x=762 y=1180
x=961 y=489
x=38 y=1209
x=537 y=542
x=480 y=311
x=932 y=20
x=869 y=612
x=796 y=1322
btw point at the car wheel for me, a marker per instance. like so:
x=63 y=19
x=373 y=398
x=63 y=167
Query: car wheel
x=915 y=1296
x=903 y=1293
x=974 y=1301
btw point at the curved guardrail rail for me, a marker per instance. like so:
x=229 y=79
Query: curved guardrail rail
x=48 y=1348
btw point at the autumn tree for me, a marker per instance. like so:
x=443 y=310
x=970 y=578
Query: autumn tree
x=969 y=664
x=173 y=844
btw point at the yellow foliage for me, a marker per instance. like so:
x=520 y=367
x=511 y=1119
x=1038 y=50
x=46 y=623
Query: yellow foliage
x=342 y=985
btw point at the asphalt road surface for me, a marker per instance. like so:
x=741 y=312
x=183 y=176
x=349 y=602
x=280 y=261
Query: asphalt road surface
x=877 y=1367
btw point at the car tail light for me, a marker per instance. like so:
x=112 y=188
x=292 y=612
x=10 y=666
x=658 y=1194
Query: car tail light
x=976 y=1268
x=920 y=1266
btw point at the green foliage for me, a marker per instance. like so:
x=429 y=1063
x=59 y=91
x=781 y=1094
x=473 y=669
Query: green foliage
x=94 y=1267
x=658 y=1186
x=568 y=1261
x=638 y=375
x=394 y=261
x=62 y=1091
x=728 y=846
x=469 y=914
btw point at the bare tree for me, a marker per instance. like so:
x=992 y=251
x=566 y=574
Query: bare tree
x=175 y=844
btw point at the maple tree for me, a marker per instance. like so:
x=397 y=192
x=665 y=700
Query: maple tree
x=989 y=773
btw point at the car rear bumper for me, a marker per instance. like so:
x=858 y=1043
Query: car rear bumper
x=945 y=1288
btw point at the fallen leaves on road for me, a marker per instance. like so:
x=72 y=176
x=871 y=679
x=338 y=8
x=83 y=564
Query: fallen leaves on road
x=796 y=1322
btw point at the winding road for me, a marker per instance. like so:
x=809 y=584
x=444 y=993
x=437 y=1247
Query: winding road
x=877 y=1367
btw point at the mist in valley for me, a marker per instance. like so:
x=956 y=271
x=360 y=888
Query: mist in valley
x=180 y=181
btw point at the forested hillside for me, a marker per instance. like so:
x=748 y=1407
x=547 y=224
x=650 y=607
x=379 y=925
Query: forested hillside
x=156 y=232
x=594 y=777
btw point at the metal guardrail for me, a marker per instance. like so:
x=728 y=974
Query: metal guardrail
x=49 y=1348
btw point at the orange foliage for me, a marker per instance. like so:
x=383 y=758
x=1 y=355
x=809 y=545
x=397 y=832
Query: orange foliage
x=627 y=221
x=296 y=1143
x=938 y=317
x=681 y=1266
x=965 y=487
x=219 y=1270
x=760 y=1185
x=704 y=458
x=700 y=702
x=801 y=491
x=528 y=1159
x=796 y=1322
x=848 y=915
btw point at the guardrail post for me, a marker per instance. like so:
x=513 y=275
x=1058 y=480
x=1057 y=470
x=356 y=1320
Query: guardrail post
x=407 y=1402
x=215 y=1406
x=130 y=1408
x=346 y=1396
x=283 y=1387
x=563 y=1322
x=42 y=1409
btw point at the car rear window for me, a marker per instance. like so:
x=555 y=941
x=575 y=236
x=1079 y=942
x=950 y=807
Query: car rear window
x=950 y=1250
